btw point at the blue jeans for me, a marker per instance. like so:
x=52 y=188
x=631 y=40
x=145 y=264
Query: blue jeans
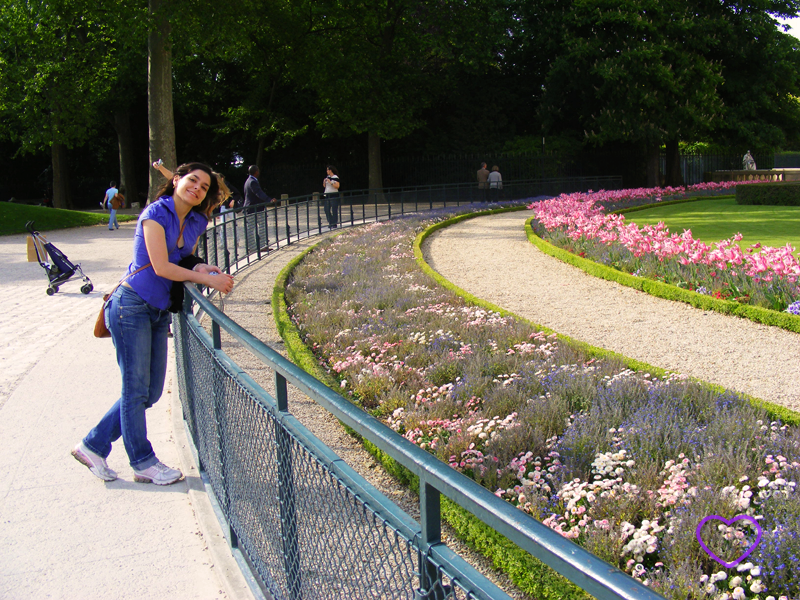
x=139 y=332
x=332 y=208
x=112 y=219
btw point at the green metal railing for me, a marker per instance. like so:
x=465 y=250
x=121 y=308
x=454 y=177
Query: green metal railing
x=305 y=523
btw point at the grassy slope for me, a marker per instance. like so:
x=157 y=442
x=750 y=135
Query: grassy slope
x=14 y=216
x=719 y=218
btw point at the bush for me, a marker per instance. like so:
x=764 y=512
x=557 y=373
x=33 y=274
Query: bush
x=774 y=194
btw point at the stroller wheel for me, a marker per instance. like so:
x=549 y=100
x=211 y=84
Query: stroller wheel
x=51 y=290
x=85 y=289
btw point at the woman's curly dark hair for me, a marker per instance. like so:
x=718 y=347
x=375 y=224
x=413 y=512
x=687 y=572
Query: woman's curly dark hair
x=168 y=189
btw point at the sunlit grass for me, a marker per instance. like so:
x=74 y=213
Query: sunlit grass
x=14 y=216
x=719 y=218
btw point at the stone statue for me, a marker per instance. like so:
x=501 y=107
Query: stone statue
x=748 y=162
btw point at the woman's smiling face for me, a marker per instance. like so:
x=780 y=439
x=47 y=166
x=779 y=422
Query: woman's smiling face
x=192 y=187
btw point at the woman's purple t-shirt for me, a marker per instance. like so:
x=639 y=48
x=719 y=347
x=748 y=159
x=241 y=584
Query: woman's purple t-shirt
x=154 y=289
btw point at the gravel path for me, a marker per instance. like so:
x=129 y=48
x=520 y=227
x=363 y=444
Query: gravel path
x=491 y=258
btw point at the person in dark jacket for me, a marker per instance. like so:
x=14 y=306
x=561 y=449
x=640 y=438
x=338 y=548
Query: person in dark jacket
x=253 y=194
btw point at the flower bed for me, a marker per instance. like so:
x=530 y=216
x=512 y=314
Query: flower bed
x=580 y=223
x=624 y=463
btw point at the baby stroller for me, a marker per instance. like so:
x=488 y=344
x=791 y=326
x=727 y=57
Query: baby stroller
x=55 y=263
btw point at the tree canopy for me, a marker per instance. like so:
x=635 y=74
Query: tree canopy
x=317 y=79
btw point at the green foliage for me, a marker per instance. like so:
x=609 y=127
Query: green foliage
x=56 y=62
x=14 y=216
x=635 y=71
x=375 y=66
x=775 y=194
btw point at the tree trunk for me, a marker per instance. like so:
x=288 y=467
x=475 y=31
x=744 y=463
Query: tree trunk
x=374 y=153
x=159 y=97
x=674 y=177
x=653 y=179
x=260 y=153
x=127 y=166
x=61 y=195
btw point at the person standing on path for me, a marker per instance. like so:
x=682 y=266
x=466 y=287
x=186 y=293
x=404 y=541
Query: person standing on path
x=483 y=176
x=331 y=184
x=137 y=317
x=117 y=202
x=110 y=193
x=253 y=194
x=495 y=181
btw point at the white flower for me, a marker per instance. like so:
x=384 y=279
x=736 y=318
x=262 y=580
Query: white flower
x=756 y=587
x=755 y=571
x=736 y=581
x=738 y=594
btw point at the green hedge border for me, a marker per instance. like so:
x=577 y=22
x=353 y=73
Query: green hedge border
x=667 y=291
x=528 y=573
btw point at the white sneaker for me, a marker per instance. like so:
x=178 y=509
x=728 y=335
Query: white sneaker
x=96 y=463
x=159 y=473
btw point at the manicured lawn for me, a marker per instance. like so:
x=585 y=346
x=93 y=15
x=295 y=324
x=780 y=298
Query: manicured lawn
x=14 y=216
x=719 y=218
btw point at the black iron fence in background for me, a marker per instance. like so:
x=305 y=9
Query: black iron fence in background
x=297 y=180
x=240 y=237
x=301 y=179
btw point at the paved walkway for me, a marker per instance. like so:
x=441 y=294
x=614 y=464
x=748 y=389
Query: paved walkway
x=65 y=533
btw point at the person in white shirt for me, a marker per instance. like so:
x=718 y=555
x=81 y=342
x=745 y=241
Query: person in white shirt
x=331 y=185
x=495 y=181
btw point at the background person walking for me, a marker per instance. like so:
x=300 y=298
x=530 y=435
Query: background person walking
x=137 y=316
x=110 y=193
x=117 y=202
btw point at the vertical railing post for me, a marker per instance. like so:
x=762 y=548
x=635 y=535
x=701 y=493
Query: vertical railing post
x=430 y=583
x=236 y=218
x=288 y=227
x=315 y=200
x=266 y=230
x=246 y=236
x=227 y=253
x=277 y=231
x=286 y=496
x=297 y=220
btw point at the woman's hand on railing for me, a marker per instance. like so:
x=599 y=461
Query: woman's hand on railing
x=216 y=279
